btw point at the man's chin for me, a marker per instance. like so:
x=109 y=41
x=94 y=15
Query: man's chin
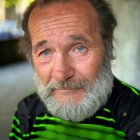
x=68 y=95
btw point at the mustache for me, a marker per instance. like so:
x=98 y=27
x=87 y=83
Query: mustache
x=67 y=85
x=47 y=90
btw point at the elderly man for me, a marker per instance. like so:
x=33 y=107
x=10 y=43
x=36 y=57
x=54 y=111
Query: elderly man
x=69 y=43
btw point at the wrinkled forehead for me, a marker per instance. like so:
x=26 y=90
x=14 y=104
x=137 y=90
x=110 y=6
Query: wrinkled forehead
x=79 y=8
x=57 y=21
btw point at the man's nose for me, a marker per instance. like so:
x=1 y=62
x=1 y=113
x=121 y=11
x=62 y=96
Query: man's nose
x=62 y=68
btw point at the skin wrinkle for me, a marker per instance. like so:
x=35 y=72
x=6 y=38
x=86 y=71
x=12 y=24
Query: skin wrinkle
x=54 y=23
x=58 y=16
x=87 y=38
x=42 y=28
x=42 y=44
x=68 y=48
x=42 y=25
x=76 y=72
x=39 y=30
x=51 y=29
x=57 y=19
x=42 y=34
x=65 y=62
x=102 y=23
x=51 y=26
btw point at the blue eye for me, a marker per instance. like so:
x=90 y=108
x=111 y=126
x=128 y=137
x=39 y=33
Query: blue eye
x=46 y=52
x=80 y=49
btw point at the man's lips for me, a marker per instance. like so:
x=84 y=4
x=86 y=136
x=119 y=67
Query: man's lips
x=62 y=95
x=66 y=91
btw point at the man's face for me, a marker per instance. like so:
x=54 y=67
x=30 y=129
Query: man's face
x=66 y=47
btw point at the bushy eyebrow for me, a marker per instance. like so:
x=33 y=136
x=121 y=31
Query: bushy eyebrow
x=39 y=45
x=43 y=43
x=78 y=38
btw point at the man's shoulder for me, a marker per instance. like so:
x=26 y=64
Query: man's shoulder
x=125 y=103
x=31 y=105
x=29 y=100
x=125 y=93
x=31 y=97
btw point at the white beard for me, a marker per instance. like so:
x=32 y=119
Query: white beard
x=95 y=97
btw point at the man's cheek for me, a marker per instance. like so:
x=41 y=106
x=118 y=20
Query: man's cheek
x=89 y=69
x=44 y=73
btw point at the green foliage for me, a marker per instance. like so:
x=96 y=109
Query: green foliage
x=10 y=3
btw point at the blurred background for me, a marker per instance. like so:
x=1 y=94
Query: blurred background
x=16 y=80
